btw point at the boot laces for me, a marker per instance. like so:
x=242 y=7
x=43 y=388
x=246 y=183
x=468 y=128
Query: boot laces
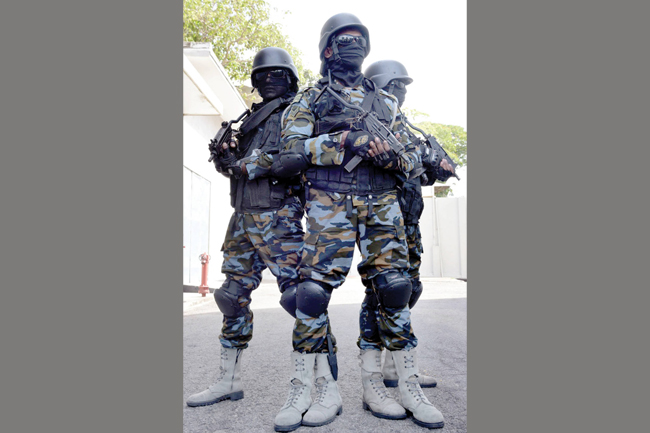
x=321 y=389
x=377 y=382
x=222 y=371
x=221 y=374
x=295 y=392
x=415 y=390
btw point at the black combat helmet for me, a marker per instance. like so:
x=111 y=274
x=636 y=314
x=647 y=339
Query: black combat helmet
x=339 y=22
x=273 y=57
x=383 y=71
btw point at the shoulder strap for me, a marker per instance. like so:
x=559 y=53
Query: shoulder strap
x=259 y=116
x=369 y=98
x=372 y=102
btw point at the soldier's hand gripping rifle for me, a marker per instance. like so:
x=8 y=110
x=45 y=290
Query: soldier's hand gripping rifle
x=438 y=152
x=371 y=124
x=224 y=135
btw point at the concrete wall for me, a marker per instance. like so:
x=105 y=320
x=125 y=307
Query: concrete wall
x=208 y=99
x=444 y=236
x=197 y=132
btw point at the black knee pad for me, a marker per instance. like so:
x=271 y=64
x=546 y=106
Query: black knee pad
x=393 y=289
x=227 y=298
x=416 y=291
x=312 y=298
x=288 y=300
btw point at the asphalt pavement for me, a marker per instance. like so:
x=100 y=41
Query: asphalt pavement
x=439 y=322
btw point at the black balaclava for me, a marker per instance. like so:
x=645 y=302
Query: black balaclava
x=345 y=63
x=271 y=87
x=400 y=94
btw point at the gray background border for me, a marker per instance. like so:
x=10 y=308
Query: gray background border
x=91 y=316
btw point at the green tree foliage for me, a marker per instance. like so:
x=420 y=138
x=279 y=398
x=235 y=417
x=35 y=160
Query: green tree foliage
x=442 y=192
x=238 y=29
x=452 y=138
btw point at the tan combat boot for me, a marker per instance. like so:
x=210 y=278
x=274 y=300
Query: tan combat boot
x=375 y=395
x=290 y=416
x=411 y=395
x=228 y=384
x=327 y=404
x=390 y=375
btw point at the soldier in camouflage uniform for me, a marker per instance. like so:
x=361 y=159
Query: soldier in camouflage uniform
x=265 y=229
x=392 y=77
x=345 y=206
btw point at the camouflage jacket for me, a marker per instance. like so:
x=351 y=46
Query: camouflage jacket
x=299 y=132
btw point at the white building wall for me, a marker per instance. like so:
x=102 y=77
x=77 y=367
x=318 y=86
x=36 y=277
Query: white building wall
x=208 y=99
x=197 y=132
x=444 y=236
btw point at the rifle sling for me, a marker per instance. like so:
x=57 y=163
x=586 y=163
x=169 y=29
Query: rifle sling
x=259 y=116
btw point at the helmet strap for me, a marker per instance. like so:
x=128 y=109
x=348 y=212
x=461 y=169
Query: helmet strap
x=335 y=49
x=392 y=87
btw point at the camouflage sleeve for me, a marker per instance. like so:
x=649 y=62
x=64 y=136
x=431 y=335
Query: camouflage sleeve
x=258 y=164
x=298 y=129
x=411 y=158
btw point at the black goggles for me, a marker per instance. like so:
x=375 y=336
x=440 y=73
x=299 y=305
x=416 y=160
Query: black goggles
x=399 y=84
x=275 y=73
x=348 y=39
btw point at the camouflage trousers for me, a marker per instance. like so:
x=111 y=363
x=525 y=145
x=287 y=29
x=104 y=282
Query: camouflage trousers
x=254 y=242
x=335 y=223
x=370 y=316
x=414 y=240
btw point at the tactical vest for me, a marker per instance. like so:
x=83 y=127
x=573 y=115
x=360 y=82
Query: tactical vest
x=265 y=193
x=330 y=117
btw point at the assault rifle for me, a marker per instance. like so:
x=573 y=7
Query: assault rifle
x=224 y=135
x=371 y=124
x=438 y=152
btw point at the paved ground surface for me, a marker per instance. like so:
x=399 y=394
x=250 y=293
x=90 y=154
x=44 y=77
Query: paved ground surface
x=440 y=323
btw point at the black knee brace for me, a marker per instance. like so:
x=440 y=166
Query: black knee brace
x=416 y=291
x=227 y=298
x=288 y=299
x=312 y=298
x=393 y=289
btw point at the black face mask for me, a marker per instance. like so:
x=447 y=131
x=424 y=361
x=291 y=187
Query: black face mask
x=347 y=68
x=400 y=94
x=352 y=56
x=272 y=87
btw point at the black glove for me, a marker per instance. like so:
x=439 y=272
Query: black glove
x=228 y=164
x=235 y=169
x=227 y=158
x=442 y=175
x=428 y=156
x=359 y=143
x=386 y=160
